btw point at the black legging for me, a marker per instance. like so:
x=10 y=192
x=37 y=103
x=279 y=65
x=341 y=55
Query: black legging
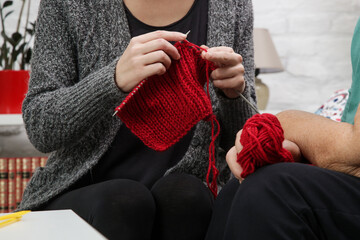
x=178 y=206
x=288 y=201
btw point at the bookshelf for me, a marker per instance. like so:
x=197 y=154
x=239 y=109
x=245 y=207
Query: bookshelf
x=18 y=160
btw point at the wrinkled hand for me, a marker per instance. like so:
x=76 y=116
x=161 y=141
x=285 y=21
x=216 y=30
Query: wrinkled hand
x=146 y=55
x=235 y=167
x=229 y=76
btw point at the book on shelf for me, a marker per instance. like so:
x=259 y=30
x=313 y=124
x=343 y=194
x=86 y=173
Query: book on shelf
x=15 y=173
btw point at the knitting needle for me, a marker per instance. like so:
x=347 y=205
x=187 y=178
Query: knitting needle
x=249 y=103
x=11 y=220
x=14 y=215
x=187 y=33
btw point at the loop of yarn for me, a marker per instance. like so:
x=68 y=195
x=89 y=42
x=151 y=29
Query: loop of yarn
x=262 y=137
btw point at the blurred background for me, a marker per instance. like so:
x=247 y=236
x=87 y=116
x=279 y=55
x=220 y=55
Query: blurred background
x=312 y=39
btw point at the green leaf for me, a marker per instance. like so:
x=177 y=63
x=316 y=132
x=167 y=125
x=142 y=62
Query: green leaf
x=28 y=55
x=6 y=38
x=8 y=14
x=30 y=31
x=7 y=3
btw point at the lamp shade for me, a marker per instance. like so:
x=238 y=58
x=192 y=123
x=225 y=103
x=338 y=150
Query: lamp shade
x=266 y=58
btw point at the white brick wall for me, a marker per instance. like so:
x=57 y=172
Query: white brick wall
x=313 y=39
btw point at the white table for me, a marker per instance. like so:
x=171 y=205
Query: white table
x=50 y=225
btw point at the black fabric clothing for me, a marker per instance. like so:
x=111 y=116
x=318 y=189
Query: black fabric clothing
x=126 y=209
x=288 y=201
x=128 y=157
x=195 y=20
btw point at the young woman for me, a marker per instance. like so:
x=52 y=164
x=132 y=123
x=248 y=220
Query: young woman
x=295 y=200
x=88 y=56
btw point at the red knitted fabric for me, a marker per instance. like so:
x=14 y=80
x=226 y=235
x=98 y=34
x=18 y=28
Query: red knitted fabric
x=262 y=139
x=162 y=109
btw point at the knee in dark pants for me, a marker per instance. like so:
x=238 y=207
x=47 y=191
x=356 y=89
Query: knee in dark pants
x=184 y=207
x=277 y=177
x=125 y=209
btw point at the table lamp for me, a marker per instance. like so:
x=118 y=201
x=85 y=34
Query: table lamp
x=266 y=61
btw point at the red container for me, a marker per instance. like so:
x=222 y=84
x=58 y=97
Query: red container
x=13 y=88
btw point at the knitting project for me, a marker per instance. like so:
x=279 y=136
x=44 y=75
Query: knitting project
x=262 y=139
x=163 y=108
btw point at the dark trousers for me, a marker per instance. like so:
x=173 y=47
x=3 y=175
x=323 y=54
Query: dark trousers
x=288 y=201
x=178 y=206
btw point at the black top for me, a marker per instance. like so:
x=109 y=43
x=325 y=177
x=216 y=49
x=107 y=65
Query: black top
x=128 y=157
x=195 y=20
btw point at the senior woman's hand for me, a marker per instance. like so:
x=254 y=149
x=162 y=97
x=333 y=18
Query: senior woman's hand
x=229 y=76
x=235 y=167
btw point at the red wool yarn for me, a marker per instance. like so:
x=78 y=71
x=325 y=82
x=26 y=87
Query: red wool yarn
x=262 y=137
x=163 y=108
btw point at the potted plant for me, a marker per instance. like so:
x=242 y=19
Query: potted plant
x=15 y=54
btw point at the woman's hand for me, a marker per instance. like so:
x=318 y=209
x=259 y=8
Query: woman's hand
x=229 y=76
x=235 y=167
x=146 y=55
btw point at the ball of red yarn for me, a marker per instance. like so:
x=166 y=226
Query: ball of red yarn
x=262 y=137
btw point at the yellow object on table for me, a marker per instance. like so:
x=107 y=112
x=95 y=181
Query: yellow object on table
x=11 y=218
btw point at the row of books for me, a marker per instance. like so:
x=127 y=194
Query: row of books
x=15 y=173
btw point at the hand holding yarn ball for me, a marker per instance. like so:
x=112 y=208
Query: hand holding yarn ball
x=261 y=142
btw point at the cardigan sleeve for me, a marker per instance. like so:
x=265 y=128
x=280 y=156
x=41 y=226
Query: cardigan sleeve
x=60 y=108
x=235 y=112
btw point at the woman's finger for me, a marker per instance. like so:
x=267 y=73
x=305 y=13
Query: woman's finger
x=156 y=57
x=238 y=145
x=160 y=44
x=236 y=83
x=231 y=159
x=227 y=72
x=221 y=49
x=167 y=35
x=223 y=58
x=154 y=69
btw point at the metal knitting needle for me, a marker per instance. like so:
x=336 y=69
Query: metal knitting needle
x=249 y=103
x=187 y=33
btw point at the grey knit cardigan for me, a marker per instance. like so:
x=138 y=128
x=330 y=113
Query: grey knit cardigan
x=72 y=93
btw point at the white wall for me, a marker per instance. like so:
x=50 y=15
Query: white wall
x=313 y=39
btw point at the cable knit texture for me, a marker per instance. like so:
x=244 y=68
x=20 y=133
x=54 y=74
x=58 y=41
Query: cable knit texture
x=72 y=92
